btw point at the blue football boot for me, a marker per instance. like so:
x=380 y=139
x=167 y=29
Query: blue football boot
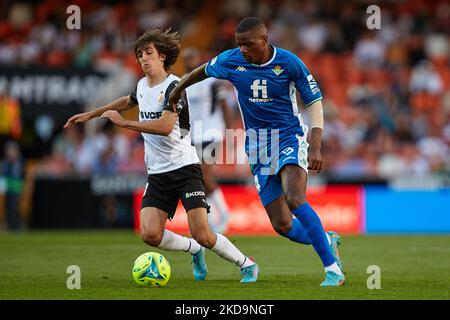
x=250 y=273
x=199 y=268
x=335 y=242
x=333 y=279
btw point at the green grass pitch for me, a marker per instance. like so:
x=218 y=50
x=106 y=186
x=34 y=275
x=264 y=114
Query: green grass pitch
x=33 y=266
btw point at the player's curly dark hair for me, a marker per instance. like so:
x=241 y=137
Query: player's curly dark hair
x=165 y=41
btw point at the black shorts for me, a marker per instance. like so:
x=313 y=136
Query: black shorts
x=164 y=190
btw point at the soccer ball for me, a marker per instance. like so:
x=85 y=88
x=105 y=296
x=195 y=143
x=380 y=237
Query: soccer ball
x=151 y=269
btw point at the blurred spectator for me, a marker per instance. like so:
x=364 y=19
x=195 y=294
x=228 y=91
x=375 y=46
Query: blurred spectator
x=424 y=77
x=434 y=148
x=135 y=161
x=56 y=164
x=313 y=35
x=109 y=140
x=383 y=89
x=11 y=184
x=10 y=119
x=369 y=51
x=107 y=163
x=81 y=152
x=415 y=163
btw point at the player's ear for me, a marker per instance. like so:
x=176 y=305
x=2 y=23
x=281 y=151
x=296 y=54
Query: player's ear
x=162 y=56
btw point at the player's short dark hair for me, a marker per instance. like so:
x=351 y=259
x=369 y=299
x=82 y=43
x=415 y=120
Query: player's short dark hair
x=248 y=24
x=165 y=41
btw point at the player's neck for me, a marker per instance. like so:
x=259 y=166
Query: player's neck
x=155 y=79
x=268 y=54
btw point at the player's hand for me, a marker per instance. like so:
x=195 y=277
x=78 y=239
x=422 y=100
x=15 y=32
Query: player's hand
x=78 y=118
x=115 y=117
x=174 y=97
x=315 y=160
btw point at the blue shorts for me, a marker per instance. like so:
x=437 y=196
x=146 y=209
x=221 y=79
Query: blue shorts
x=266 y=178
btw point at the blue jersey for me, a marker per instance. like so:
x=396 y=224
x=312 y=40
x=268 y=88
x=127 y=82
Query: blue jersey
x=267 y=93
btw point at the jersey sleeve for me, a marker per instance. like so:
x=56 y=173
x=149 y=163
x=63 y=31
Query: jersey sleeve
x=182 y=104
x=133 y=96
x=217 y=67
x=304 y=82
x=182 y=109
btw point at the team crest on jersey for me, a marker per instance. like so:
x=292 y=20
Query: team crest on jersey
x=161 y=97
x=277 y=70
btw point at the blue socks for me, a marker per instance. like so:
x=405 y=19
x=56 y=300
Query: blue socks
x=297 y=233
x=314 y=231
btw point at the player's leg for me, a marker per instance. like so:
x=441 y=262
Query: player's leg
x=154 y=233
x=287 y=225
x=208 y=178
x=218 y=218
x=271 y=194
x=158 y=204
x=284 y=223
x=218 y=243
x=194 y=201
x=290 y=227
x=293 y=179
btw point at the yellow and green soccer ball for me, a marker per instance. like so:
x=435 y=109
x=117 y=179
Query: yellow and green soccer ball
x=151 y=269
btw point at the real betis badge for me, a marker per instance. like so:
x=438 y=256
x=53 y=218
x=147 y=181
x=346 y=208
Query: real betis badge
x=277 y=70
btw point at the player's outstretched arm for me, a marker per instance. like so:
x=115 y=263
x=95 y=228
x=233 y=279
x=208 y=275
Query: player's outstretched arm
x=120 y=104
x=315 y=160
x=163 y=126
x=195 y=76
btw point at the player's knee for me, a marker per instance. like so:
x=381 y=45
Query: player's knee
x=151 y=238
x=210 y=187
x=282 y=227
x=204 y=238
x=294 y=201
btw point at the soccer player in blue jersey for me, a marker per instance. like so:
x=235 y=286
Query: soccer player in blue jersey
x=266 y=79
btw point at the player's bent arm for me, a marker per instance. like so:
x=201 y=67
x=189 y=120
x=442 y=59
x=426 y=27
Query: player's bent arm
x=163 y=126
x=315 y=160
x=316 y=115
x=120 y=104
x=194 y=76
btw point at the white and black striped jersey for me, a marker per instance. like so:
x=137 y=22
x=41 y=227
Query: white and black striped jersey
x=164 y=153
x=206 y=116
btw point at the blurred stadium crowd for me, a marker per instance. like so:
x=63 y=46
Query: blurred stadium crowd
x=386 y=92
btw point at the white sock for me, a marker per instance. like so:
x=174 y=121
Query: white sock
x=328 y=238
x=333 y=267
x=225 y=249
x=219 y=200
x=174 y=242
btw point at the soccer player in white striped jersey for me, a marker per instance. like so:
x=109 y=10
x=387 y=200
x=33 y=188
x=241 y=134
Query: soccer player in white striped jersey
x=172 y=163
